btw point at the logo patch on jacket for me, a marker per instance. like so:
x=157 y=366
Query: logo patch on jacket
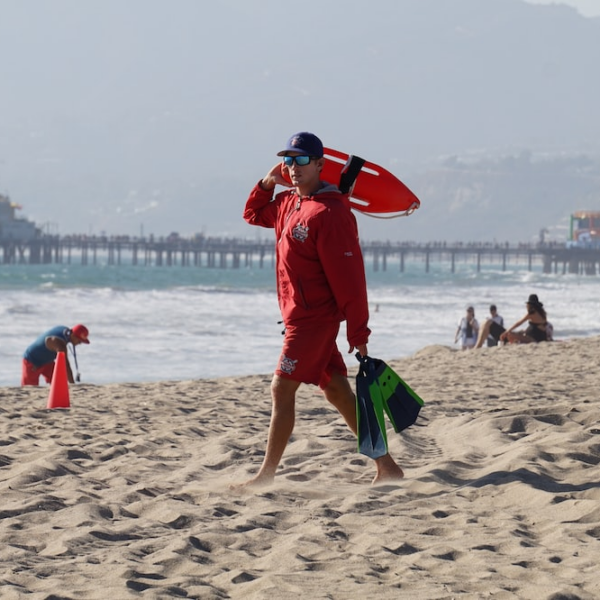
x=300 y=232
x=287 y=365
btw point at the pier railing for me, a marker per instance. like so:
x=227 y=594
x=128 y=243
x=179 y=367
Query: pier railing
x=236 y=253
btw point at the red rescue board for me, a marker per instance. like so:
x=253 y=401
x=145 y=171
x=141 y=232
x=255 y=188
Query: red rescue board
x=376 y=191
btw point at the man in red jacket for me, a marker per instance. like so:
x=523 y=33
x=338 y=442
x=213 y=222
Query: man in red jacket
x=320 y=283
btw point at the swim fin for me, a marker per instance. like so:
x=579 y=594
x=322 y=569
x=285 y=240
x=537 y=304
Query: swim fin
x=400 y=402
x=372 y=437
x=379 y=390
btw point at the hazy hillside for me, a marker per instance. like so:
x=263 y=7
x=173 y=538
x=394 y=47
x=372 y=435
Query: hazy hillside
x=160 y=115
x=506 y=199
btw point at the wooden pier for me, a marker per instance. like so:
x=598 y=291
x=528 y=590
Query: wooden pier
x=242 y=253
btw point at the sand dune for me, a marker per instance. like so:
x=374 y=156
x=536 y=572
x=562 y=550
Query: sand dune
x=126 y=494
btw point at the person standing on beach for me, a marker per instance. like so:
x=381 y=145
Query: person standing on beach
x=320 y=283
x=467 y=330
x=38 y=359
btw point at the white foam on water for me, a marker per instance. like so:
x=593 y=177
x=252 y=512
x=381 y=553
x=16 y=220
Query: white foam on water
x=185 y=323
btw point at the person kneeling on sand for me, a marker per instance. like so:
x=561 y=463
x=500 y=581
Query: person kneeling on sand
x=538 y=328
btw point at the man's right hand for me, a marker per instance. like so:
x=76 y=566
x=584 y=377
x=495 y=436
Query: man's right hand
x=274 y=177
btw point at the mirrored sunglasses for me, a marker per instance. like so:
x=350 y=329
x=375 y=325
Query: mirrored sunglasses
x=301 y=161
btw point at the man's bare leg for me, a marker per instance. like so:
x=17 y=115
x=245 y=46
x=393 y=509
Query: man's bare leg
x=483 y=333
x=283 y=413
x=339 y=393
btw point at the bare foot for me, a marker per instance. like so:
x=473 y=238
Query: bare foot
x=256 y=482
x=388 y=477
x=387 y=470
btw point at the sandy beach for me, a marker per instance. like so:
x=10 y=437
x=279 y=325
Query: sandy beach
x=126 y=494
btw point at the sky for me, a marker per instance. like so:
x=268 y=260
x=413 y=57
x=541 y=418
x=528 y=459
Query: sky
x=152 y=116
x=588 y=8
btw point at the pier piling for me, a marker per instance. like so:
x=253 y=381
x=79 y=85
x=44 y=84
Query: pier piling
x=237 y=253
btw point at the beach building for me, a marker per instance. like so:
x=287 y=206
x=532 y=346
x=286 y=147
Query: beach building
x=584 y=230
x=13 y=228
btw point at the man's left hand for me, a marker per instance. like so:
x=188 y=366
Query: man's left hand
x=362 y=349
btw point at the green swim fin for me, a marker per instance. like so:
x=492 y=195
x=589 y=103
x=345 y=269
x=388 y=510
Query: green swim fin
x=400 y=402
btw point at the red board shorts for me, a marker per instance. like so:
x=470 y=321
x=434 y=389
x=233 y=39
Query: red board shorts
x=310 y=354
x=30 y=374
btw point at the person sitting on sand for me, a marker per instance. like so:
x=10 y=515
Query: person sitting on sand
x=538 y=328
x=467 y=330
x=492 y=329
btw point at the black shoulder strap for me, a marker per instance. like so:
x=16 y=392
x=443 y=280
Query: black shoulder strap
x=349 y=173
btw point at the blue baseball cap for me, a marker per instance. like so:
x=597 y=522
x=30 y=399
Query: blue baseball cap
x=305 y=143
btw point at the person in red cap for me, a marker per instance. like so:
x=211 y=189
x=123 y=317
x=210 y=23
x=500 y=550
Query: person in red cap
x=320 y=283
x=39 y=357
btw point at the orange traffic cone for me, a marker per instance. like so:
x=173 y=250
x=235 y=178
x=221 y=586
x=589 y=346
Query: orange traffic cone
x=59 y=388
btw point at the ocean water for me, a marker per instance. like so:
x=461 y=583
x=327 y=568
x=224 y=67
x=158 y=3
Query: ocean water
x=151 y=323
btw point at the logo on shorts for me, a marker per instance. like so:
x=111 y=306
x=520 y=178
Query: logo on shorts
x=300 y=233
x=288 y=365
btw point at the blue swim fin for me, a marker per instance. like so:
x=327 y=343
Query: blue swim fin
x=372 y=437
